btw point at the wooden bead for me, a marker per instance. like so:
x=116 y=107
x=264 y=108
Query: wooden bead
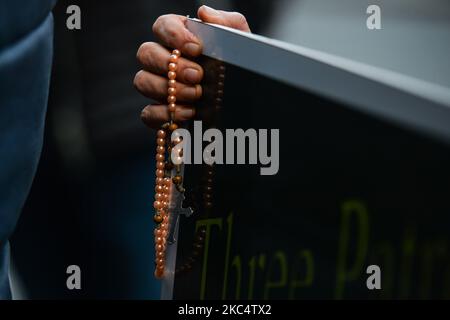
x=160 y=142
x=208 y=204
x=177 y=179
x=167 y=182
x=157 y=205
x=200 y=239
x=160 y=149
x=160 y=268
x=209 y=173
x=173 y=58
x=172 y=83
x=159 y=188
x=159 y=261
x=172 y=107
x=160 y=165
x=172 y=66
x=159 y=157
x=171 y=99
x=161 y=134
x=207 y=196
x=172 y=75
x=158 y=232
x=160 y=173
x=173 y=127
x=169 y=166
x=159 y=274
x=172 y=91
x=157 y=218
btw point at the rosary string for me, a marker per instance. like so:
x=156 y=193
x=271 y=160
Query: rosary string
x=164 y=168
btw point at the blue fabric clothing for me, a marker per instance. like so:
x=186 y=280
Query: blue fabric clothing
x=26 y=45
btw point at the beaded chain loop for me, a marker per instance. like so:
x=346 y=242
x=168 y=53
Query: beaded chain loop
x=164 y=167
x=168 y=175
x=203 y=200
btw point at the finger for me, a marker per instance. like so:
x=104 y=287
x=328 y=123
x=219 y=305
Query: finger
x=171 y=30
x=155 y=58
x=156 y=115
x=156 y=87
x=233 y=20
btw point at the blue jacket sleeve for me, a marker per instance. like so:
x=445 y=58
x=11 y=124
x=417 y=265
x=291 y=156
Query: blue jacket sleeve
x=25 y=64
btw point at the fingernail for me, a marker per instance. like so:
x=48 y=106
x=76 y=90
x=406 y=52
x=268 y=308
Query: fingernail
x=211 y=11
x=192 y=49
x=192 y=75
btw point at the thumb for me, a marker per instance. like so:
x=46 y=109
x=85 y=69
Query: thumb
x=233 y=20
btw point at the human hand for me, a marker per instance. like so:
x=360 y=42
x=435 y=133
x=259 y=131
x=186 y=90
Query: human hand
x=151 y=81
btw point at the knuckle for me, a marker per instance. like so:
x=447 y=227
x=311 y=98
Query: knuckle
x=151 y=46
x=149 y=53
x=157 y=24
x=239 y=18
x=160 y=22
x=171 y=32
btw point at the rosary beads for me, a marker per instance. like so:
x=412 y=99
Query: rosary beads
x=164 y=169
